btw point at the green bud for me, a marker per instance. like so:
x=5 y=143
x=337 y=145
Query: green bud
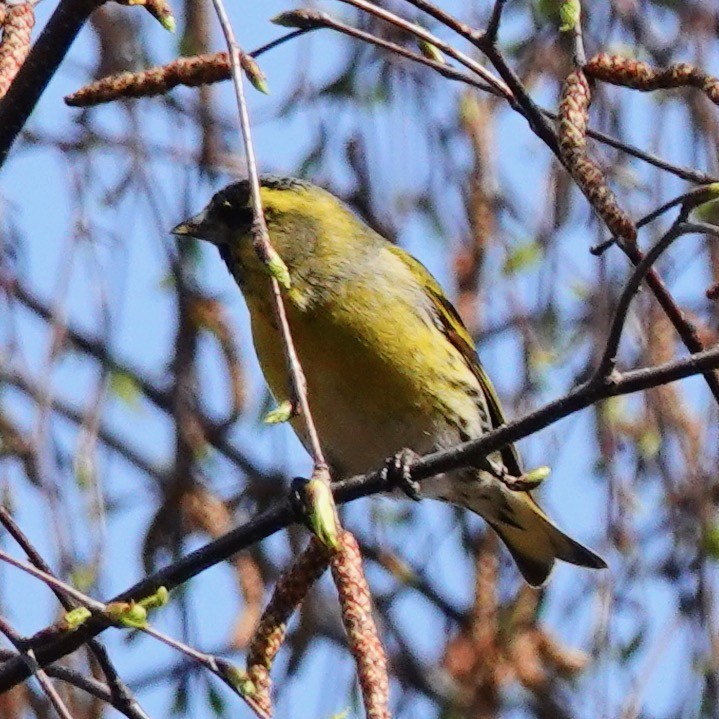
x=430 y=51
x=156 y=600
x=284 y=412
x=570 y=13
x=302 y=19
x=706 y=204
x=75 y=618
x=239 y=680
x=254 y=74
x=168 y=22
x=321 y=512
x=566 y=12
x=278 y=269
x=127 y=614
x=535 y=477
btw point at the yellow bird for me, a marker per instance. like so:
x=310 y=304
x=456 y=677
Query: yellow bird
x=389 y=364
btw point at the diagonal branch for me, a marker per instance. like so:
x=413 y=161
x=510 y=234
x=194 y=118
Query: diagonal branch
x=43 y=61
x=49 y=645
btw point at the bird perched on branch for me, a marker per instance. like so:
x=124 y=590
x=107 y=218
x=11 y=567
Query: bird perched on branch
x=388 y=362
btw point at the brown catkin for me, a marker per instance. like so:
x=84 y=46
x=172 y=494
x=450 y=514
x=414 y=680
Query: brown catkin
x=290 y=590
x=188 y=71
x=364 y=642
x=638 y=75
x=574 y=113
x=159 y=9
x=17 y=27
x=573 y=118
x=209 y=314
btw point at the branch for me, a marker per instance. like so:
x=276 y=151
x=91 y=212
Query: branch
x=28 y=659
x=45 y=57
x=120 y=695
x=316 y=494
x=607 y=362
x=307 y=19
x=490 y=34
x=422 y=34
x=49 y=646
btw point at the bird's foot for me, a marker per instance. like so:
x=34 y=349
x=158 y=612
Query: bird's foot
x=297 y=500
x=398 y=472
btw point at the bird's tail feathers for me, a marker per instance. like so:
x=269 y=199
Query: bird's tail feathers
x=535 y=542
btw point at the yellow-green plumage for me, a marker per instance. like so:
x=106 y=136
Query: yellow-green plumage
x=388 y=362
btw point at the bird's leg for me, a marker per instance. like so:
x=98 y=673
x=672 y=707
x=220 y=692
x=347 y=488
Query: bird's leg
x=523 y=483
x=398 y=472
x=496 y=469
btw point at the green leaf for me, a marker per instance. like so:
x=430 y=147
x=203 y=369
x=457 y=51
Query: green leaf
x=83 y=576
x=126 y=388
x=522 y=257
x=127 y=614
x=85 y=470
x=570 y=14
x=282 y=413
x=75 y=618
x=711 y=542
x=565 y=13
x=708 y=211
x=430 y=51
x=649 y=444
x=156 y=600
x=278 y=269
x=633 y=645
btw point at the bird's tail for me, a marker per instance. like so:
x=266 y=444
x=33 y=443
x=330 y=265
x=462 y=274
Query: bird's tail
x=534 y=542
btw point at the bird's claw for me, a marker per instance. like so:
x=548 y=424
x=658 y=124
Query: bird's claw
x=398 y=472
x=296 y=499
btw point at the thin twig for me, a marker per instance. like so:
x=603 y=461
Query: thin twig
x=122 y=698
x=54 y=583
x=45 y=57
x=579 y=55
x=607 y=361
x=322 y=20
x=263 y=245
x=422 y=34
x=213 y=431
x=684 y=327
x=544 y=131
x=101 y=612
x=28 y=658
x=490 y=34
x=77 y=679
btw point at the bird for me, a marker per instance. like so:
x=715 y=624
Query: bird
x=390 y=368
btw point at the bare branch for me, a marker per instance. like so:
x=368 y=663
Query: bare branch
x=45 y=57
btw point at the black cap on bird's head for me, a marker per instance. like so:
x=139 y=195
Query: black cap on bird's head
x=230 y=211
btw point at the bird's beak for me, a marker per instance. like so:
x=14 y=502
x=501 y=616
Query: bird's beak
x=199 y=226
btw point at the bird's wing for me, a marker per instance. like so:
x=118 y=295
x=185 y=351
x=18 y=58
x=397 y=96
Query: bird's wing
x=451 y=325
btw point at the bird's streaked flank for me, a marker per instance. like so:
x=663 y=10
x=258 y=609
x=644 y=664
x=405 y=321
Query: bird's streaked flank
x=388 y=362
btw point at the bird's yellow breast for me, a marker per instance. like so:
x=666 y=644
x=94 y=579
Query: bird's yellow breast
x=373 y=387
